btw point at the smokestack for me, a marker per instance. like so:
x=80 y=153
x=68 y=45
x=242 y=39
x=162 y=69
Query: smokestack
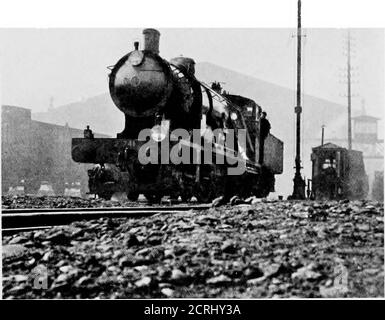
x=151 y=40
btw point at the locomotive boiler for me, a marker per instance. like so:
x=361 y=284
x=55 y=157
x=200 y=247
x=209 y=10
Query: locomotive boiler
x=164 y=96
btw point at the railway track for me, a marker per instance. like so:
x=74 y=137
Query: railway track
x=20 y=220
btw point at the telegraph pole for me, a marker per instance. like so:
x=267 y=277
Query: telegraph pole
x=349 y=96
x=299 y=183
x=50 y=107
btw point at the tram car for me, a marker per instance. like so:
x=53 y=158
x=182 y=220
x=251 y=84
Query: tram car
x=338 y=173
x=378 y=186
x=163 y=96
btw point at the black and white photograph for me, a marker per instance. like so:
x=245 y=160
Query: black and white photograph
x=156 y=162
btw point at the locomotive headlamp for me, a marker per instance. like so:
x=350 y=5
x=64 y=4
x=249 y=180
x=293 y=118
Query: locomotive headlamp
x=233 y=116
x=136 y=58
x=159 y=132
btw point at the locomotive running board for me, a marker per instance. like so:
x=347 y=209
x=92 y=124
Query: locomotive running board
x=106 y=150
x=100 y=150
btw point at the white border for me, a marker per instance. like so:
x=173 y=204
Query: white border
x=191 y=13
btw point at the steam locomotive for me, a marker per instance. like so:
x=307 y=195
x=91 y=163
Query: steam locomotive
x=163 y=96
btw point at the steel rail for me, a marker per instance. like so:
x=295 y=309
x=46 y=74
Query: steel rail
x=11 y=231
x=37 y=218
x=88 y=209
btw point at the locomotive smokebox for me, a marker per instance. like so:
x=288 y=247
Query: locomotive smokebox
x=141 y=82
x=151 y=40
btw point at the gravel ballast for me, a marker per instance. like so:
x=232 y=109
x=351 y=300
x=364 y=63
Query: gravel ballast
x=271 y=249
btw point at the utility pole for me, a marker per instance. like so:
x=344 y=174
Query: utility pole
x=50 y=107
x=323 y=135
x=299 y=183
x=348 y=81
x=349 y=96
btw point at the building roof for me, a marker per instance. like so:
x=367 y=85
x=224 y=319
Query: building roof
x=5 y=106
x=16 y=110
x=365 y=118
x=329 y=145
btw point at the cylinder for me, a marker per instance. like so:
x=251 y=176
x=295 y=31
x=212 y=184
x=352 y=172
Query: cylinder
x=151 y=40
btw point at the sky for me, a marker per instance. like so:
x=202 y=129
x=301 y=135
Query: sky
x=71 y=64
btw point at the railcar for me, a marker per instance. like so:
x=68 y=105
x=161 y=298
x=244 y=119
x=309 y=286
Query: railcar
x=338 y=173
